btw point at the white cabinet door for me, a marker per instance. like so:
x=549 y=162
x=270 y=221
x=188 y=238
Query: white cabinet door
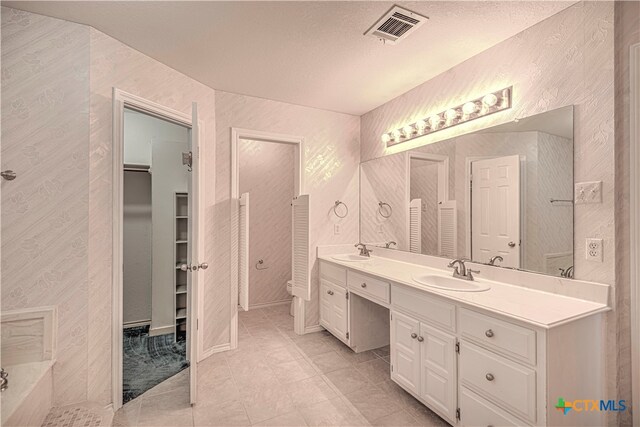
x=339 y=312
x=326 y=289
x=438 y=370
x=405 y=351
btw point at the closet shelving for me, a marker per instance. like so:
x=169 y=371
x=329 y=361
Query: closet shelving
x=180 y=250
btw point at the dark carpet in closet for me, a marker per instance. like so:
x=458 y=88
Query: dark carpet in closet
x=147 y=361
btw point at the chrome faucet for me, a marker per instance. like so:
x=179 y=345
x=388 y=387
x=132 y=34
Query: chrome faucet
x=388 y=244
x=461 y=271
x=363 y=249
x=568 y=273
x=493 y=260
x=4 y=380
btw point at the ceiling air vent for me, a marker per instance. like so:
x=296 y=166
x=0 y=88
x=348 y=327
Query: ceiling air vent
x=396 y=24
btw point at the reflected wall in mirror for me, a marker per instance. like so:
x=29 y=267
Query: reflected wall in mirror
x=502 y=195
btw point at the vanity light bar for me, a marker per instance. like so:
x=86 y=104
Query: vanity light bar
x=471 y=110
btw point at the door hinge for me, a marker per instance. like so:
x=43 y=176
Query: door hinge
x=187 y=160
x=347 y=335
x=458 y=414
x=346 y=295
x=197 y=324
x=458 y=347
x=391 y=368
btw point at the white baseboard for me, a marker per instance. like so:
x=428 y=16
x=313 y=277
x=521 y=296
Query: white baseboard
x=162 y=330
x=311 y=329
x=215 y=349
x=136 y=324
x=270 y=304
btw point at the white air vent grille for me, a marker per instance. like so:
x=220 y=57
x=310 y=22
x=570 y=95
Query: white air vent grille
x=396 y=24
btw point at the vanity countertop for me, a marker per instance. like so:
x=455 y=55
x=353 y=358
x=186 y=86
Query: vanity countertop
x=542 y=309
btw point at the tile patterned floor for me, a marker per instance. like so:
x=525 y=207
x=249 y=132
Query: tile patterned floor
x=277 y=378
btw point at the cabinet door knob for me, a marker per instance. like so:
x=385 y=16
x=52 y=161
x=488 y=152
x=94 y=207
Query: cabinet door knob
x=330 y=292
x=420 y=339
x=414 y=335
x=489 y=377
x=489 y=333
x=364 y=285
x=512 y=244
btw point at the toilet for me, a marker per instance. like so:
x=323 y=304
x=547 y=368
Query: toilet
x=290 y=292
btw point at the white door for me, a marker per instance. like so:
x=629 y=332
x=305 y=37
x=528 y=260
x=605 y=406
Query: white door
x=438 y=366
x=243 y=252
x=300 y=247
x=194 y=276
x=415 y=226
x=495 y=210
x=405 y=351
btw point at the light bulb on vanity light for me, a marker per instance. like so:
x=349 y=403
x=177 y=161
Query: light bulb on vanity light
x=408 y=131
x=434 y=121
x=386 y=138
x=469 y=108
x=421 y=125
x=490 y=100
x=451 y=115
x=396 y=135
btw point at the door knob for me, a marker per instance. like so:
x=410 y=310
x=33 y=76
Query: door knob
x=9 y=175
x=330 y=292
x=420 y=339
x=185 y=267
x=489 y=333
x=203 y=266
x=489 y=377
x=364 y=285
x=414 y=335
x=512 y=244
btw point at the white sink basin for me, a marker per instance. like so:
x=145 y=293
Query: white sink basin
x=451 y=283
x=350 y=257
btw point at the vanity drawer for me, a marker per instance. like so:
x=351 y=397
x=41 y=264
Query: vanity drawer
x=511 y=385
x=506 y=338
x=434 y=310
x=475 y=411
x=368 y=286
x=333 y=273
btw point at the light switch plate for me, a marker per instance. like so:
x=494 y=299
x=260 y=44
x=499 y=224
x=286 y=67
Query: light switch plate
x=588 y=192
x=594 y=250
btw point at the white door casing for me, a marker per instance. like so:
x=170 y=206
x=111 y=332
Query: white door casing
x=243 y=252
x=495 y=210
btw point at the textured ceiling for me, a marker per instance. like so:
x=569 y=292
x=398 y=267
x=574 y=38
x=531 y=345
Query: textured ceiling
x=306 y=53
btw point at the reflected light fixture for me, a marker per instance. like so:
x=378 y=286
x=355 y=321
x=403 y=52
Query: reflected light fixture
x=485 y=105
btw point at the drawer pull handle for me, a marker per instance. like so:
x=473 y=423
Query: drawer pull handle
x=489 y=377
x=489 y=333
x=330 y=292
x=420 y=339
x=414 y=335
x=364 y=285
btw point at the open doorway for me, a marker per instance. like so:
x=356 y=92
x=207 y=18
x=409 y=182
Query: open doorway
x=155 y=219
x=156 y=246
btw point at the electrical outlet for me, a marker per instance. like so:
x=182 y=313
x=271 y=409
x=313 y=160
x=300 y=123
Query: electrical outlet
x=594 y=250
x=337 y=229
x=588 y=192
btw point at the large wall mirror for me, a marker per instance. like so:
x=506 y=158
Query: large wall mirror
x=501 y=196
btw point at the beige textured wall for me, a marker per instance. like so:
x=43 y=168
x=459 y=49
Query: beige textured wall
x=627 y=21
x=267 y=173
x=566 y=59
x=331 y=158
x=45 y=223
